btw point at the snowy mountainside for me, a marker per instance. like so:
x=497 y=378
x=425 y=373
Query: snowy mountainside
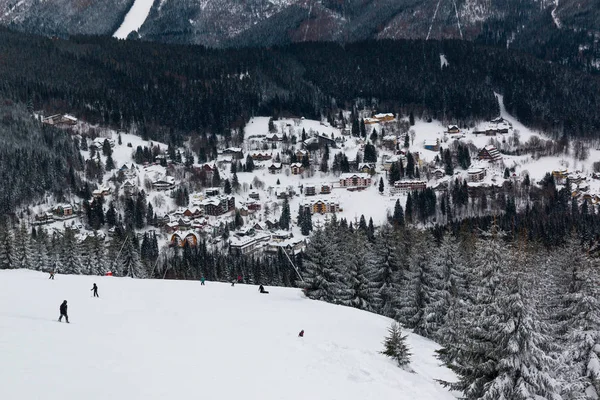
x=64 y=16
x=151 y=339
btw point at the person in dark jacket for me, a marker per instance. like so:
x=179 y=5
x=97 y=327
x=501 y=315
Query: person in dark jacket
x=95 y=289
x=51 y=275
x=301 y=334
x=63 y=312
x=261 y=289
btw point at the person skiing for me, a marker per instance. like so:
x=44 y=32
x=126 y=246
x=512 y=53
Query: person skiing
x=202 y=281
x=95 y=289
x=63 y=312
x=239 y=279
x=51 y=275
x=301 y=334
x=261 y=289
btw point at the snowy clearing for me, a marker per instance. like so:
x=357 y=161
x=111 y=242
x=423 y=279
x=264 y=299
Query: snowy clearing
x=135 y=18
x=150 y=339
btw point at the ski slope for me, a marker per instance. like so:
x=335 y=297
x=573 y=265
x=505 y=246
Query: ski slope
x=135 y=18
x=152 y=339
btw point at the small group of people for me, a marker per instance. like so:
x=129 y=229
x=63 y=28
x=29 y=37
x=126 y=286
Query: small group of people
x=63 y=306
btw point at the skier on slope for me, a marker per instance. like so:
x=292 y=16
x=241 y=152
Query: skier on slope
x=202 y=281
x=63 y=312
x=301 y=334
x=51 y=275
x=261 y=289
x=95 y=290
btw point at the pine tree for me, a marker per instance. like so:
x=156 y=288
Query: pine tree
x=381 y=185
x=227 y=188
x=398 y=216
x=235 y=183
x=97 y=255
x=357 y=288
x=7 y=247
x=40 y=257
x=249 y=163
x=286 y=217
x=418 y=294
x=23 y=248
x=71 y=254
x=110 y=163
x=321 y=276
x=578 y=320
x=520 y=350
x=450 y=275
x=130 y=259
x=408 y=214
x=111 y=215
x=386 y=275
x=216 y=178
x=472 y=355
x=394 y=174
x=395 y=346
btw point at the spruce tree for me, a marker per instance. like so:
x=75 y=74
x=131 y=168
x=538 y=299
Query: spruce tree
x=286 y=217
x=71 y=254
x=321 y=276
x=40 y=258
x=398 y=216
x=7 y=247
x=357 y=286
x=471 y=354
x=381 y=185
x=386 y=276
x=419 y=292
x=130 y=259
x=395 y=346
x=521 y=363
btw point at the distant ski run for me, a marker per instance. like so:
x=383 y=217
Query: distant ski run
x=134 y=19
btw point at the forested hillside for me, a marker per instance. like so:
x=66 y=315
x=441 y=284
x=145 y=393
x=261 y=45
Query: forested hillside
x=171 y=91
x=35 y=159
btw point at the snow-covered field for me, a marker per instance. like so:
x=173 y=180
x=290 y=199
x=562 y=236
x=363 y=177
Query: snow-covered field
x=151 y=339
x=135 y=18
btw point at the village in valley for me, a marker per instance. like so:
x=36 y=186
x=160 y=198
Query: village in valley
x=274 y=180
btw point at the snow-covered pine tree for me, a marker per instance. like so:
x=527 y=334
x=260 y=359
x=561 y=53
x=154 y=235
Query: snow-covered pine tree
x=71 y=254
x=387 y=274
x=23 y=252
x=450 y=273
x=579 y=322
x=472 y=353
x=419 y=291
x=357 y=286
x=97 y=256
x=521 y=364
x=130 y=260
x=321 y=277
x=40 y=257
x=395 y=346
x=7 y=247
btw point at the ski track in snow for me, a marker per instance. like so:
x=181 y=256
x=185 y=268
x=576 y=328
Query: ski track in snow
x=135 y=18
x=161 y=339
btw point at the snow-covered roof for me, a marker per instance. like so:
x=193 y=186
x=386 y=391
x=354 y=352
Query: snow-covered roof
x=475 y=170
x=350 y=175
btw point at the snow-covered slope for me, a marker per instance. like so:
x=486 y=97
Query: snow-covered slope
x=135 y=18
x=148 y=339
